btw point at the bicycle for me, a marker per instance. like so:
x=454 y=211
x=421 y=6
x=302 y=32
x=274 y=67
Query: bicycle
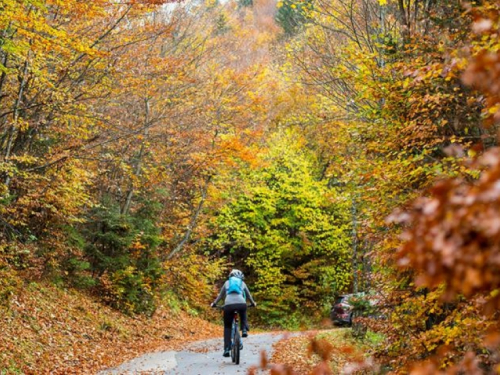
x=236 y=343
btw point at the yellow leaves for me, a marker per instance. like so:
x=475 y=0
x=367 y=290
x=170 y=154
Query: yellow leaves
x=494 y=109
x=382 y=2
x=210 y=3
x=137 y=245
x=471 y=153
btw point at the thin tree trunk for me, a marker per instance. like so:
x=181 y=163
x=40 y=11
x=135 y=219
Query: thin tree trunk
x=404 y=20
x=137 y=169
x=11 y=131
x=192 y=223
x=4 y=61
x=354 y=246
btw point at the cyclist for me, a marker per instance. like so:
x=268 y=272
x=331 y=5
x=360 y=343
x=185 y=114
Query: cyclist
x=235 y=293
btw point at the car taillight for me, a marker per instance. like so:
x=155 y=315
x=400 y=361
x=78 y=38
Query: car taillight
x=341 y=308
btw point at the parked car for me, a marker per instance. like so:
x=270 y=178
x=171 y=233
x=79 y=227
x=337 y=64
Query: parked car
x=342 y=311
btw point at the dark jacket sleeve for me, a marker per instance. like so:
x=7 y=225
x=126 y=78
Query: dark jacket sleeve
x=247 y=293
x=222 y=294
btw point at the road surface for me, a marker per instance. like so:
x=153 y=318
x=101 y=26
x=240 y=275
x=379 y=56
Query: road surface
x=201 y=358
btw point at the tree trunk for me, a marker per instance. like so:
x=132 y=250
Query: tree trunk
x=138 y=165
x=193 y=221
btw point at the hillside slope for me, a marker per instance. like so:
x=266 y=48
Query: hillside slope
x=46 y=329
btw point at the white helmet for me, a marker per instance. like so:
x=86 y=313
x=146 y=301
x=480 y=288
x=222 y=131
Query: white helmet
x=237 y=273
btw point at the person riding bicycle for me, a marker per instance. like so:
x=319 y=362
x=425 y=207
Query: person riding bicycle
x=235 y=293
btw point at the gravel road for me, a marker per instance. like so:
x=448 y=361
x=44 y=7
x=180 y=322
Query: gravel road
x=201 y=358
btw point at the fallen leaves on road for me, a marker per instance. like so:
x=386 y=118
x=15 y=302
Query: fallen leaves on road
x=319 y=353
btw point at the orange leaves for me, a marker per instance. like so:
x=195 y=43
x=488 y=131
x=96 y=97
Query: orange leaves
x=455 y=235
x=324 y=349
x=409 y=104
x=59 y=331
x=319 y=353
x=483 y=72
x=150 y=2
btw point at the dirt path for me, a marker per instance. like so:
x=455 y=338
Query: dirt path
x=203 y=358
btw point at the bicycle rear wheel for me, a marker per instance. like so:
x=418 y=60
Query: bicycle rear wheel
x=237 y=345
x=233 y=353
x=233 y=343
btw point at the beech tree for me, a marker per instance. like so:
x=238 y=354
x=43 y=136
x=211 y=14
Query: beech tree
x=289 y=232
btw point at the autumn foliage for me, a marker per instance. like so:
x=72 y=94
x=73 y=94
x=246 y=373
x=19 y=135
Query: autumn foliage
x=413 y=82
x=115 y=118
x=452 y=236
x=148 y=146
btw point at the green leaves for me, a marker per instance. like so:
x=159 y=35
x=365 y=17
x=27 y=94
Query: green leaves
x=285 y=229
x=292 y=15
x=124 y=257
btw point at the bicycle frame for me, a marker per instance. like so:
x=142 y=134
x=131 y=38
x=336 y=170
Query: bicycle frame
x=234 y=326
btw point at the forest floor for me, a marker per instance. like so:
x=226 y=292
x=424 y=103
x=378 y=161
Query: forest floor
x=45 y=329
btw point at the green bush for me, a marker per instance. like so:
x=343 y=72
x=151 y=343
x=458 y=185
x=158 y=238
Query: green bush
x=121 y=255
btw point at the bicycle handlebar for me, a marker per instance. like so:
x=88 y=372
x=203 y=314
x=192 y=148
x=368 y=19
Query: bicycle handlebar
x=222 y=307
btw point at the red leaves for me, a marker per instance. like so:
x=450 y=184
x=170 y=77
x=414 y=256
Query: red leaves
x=469 y=365
x=452 y=238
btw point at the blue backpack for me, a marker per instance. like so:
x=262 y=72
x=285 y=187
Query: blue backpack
x=235 y=285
